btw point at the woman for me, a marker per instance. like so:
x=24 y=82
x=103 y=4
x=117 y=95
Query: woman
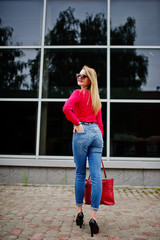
x=83 y=109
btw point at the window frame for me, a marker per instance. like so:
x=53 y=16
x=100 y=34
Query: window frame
x=67 y=161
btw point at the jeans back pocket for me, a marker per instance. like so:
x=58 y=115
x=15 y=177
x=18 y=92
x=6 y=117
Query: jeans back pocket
x=81 y=137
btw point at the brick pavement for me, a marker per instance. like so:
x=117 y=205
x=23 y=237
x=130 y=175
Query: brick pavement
x=48 y=213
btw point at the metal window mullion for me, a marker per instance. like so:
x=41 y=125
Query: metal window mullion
x=20 y=47
x=133 y=47
x=18 y=99
x=108 y=80
x=76 y=47
x=17 y=156
x=83 y=46
x=62 y=100
x=40 y=81
x=134 y=101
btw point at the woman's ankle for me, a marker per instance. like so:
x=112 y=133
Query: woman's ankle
x=94 y=215
x=79 y=209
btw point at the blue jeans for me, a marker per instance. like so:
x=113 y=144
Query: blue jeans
x=88 y=144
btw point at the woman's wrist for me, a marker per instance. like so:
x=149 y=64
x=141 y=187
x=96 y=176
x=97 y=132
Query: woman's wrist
x=78 y=124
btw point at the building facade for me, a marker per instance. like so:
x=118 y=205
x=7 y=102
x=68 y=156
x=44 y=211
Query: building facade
x=43 y=44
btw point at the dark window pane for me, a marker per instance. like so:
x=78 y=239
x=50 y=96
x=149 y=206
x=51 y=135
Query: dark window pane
x=104 y=119
x=19 y=75
x=18 y=128
x=76 y=22
x=56 y=130
x=135 y=74
x=135 y=130
x=135 y=22
x=61 y=66
x=21 y=22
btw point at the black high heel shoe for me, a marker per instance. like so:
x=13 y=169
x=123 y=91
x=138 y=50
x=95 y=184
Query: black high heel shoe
x=94 y=227
x=79 y=219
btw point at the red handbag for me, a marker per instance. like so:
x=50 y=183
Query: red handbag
x=107 y=190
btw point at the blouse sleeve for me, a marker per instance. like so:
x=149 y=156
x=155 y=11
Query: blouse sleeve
x=68 y=107
x=99 y=121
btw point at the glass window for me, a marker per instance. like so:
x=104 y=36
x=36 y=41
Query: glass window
x=135 y=73
x=135 y=22
x=76 y=22
x=18 y=128
x=19 y=75
x=56 y=130
x=21 y=22
x=61 y=66
x=104 y=120
x=136 y=133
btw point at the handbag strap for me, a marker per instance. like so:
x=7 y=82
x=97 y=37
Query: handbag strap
x=103 y=170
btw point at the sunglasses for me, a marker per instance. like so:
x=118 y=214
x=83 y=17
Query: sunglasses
x=82 y=76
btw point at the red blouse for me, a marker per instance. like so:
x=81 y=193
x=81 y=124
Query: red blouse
x=78 y=108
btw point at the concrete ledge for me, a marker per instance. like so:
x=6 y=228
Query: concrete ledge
x=66 y=176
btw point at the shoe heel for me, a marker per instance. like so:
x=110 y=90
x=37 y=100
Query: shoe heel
x=91 y=226
x=81 y=223
x=94 y=227
x=79 y=219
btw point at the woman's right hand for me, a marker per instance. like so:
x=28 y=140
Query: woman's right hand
x=78 y=128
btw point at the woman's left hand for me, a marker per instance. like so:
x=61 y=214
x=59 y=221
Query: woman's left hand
x=78 y=128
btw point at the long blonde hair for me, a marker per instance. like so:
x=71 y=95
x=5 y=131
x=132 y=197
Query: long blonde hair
x=93 y=88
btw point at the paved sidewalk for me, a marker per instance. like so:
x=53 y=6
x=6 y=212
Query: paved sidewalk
x=48 y=213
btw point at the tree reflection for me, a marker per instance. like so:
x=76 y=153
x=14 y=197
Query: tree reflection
x=11 y=71
x=65 y=31
x=125 y=34
x=94 y=30
x=34 y=67
x=128 y=69
x=5 y=35
x=71 y=31
x=60 y=66
x=128 y=73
